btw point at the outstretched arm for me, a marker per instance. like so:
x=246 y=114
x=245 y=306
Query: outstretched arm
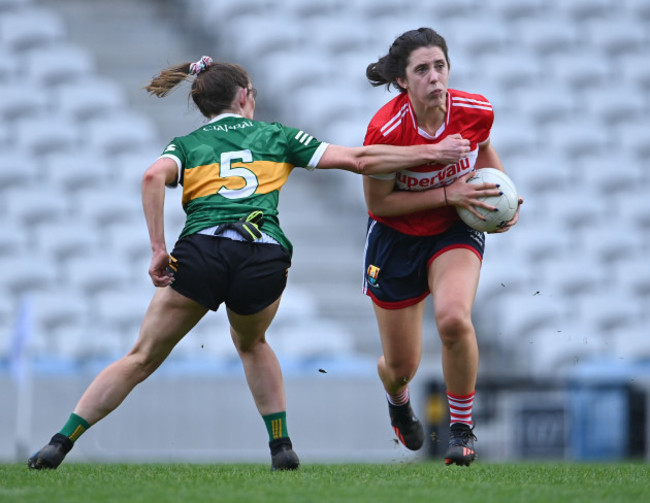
x=373 y=159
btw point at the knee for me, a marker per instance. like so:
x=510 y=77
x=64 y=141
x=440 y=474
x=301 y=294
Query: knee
x=247 y=347
x=453 y=326
x=245 y=343
x=400 y=372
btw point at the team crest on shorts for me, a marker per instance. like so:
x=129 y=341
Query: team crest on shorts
x=372 y=274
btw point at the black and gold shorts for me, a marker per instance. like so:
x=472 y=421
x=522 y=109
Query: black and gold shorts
x=212 y=270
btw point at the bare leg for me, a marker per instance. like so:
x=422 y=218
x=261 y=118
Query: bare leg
x=400 y=331
x=264 y=377
x=169 y=317
x=261 y=366
x=453 y=280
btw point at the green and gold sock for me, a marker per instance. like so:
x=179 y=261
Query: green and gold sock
x=75 y=427
x=276 y=424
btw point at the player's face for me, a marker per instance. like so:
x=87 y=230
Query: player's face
x=427 y=75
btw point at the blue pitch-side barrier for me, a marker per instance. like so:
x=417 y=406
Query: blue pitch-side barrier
x=347 y=365
x=596 y=411
x=608 y=409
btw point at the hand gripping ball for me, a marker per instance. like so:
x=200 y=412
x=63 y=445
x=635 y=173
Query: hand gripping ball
x=507 y=202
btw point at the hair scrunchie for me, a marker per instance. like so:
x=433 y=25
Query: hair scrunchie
x=200 y=65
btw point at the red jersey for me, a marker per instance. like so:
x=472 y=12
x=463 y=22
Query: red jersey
x=469 y=115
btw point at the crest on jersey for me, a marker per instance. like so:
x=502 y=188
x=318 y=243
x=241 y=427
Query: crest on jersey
x=372 y=274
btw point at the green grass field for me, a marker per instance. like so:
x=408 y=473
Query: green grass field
x=374 y=483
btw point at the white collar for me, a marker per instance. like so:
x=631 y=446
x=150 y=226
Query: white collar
x=223 y=116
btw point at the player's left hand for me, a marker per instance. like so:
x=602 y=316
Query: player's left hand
x=470 y=195
x=512 y=222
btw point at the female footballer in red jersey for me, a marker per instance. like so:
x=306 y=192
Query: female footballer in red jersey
x=232 y=249
x=416 y=244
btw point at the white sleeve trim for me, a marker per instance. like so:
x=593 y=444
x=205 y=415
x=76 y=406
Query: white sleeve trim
x=315 y=159
x=179 y=165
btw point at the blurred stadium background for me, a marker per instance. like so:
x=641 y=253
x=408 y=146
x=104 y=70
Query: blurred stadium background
x=563 y=310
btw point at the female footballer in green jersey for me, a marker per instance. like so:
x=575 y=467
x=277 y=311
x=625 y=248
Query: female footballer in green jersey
x=232 y=249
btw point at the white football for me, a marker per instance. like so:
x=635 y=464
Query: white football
x=507 y=202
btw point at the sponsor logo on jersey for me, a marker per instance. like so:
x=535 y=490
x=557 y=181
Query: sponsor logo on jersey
x=228 y=127
x=414 y=180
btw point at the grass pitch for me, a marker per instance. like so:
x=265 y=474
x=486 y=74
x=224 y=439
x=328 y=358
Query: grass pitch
x=319 y=483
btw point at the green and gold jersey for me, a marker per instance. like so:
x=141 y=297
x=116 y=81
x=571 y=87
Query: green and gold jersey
x=233 y=165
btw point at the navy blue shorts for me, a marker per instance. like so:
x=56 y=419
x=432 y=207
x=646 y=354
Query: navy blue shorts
x=212 y=270
x=396 y=264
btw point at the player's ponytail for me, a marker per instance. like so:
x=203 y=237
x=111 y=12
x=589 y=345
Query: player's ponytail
x=214 y=84
x=162 y=84
x=377 y=74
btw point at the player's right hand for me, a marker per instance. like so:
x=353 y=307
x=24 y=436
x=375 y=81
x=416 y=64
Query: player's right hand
x=159 y=271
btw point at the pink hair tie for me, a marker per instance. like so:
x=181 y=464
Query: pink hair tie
x=200 y=65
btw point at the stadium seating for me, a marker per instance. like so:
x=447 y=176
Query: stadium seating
x=129 y=166
x=519 y=70
x=107 y=205
x=90 y=96
x=546 y=107
x=517 y=137
x=76 y=169
x=95 y=273
x=633 y=137
x=46 y=133
x=64 y=242
x=553 y=350
x=616 y=39
x=119 y=132
x=512 y=10
x=121 y=312
x=59 y=63
x=570 y=84
x=26 y=28
x=450 y=10
x=30 y=271
x=634 y=70
x=21 y=99
x=55 y=313
x=35 y=205
x=18 y=169
x=543 y=38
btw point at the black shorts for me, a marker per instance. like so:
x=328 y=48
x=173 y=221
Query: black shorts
x=396 y=264
x=246 y=276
